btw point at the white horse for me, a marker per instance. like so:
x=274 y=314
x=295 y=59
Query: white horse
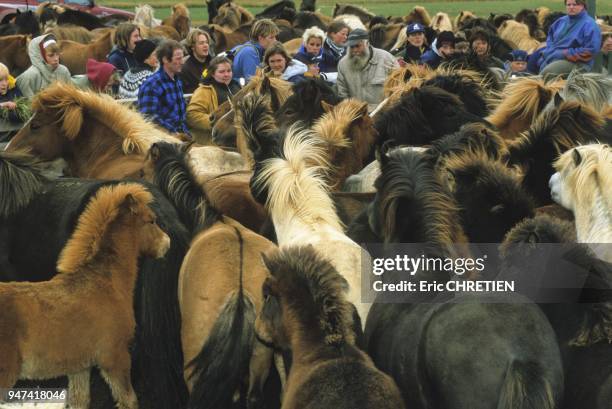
x=303 y=212
x=145 y=15
x=583 y=184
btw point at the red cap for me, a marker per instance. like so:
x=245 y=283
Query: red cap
x=99 y=73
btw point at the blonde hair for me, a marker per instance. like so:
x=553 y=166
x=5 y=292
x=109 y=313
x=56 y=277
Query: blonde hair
x=263 y=28
x=192 y=38
x=4 y=71
x=311 y=32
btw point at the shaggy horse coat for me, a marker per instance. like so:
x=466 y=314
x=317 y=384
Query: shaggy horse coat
x=306 y=312
x=415 y=118
x=39 y=217
x=583 y=327
x=14 y=53
x=97 y=267
x=219 y=347
x=471 y=92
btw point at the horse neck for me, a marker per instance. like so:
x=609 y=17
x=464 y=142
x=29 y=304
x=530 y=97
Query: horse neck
x=593 y=219
x=101 y=47
x=95 y=146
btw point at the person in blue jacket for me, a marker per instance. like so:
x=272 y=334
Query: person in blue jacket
x=122 y=54
x=248 y=56
x=572 y=42
x=441 y=49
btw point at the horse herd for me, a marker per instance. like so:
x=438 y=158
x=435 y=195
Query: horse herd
x=158 y=274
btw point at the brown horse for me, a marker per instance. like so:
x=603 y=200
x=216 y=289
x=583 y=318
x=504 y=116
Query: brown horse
x=161 y=31
x=14 y=53
x=219 y=290
x=231 y=16
x=74 y=55
x=96 y=272
x=179 y=20
x=73 y=33
x=350 y=134
x=385 y=36
x=225 y=39
x=306 y=311
x=418 y=15
x=97 y=136
x=517 y=35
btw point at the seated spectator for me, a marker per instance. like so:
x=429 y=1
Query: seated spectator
x=572 y=42
x=216 y=87
x=45 y=55
x=248 y=56
x=517 y=64
x=442 y=49
x=160 y=97
x=10 y=119
x=415 y=47
x=198 y=43
x=603 y=60
x=363 y=71
x=278 y=63
x=100 y=77
x=334 y=46
x=122 y=54
x=311 y=54
x=480 y=46
x=146 y=65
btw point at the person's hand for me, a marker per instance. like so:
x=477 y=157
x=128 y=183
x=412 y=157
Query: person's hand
x=8 y=105
x=314 y=70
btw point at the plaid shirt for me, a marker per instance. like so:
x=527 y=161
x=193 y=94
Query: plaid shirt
x=161 y=99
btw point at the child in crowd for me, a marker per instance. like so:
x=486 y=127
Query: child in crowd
x=516 y=66
x=10 y=116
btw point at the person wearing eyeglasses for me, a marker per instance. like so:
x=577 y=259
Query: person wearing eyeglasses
x=573 y=41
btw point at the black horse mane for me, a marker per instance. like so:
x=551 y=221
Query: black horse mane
x=308 y=5
x=276 y=9
x=175 y=178
x=415 y=118
x=20 y=180
x=305 y=102
x=498 y=19
x=306 y=19
x=469 y=91
x=469 y=61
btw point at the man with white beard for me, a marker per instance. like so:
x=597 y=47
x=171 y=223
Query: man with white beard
x=363 y=70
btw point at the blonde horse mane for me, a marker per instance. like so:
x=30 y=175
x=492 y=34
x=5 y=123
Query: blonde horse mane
x=351 y=20
x=72 y=103
x=332 y=127
x=523 y=100
x=400 y=77
x=296 y=182
x=180 y=10
x=596 y=160
x=517 y=35
x=145 y=15
x=542 y=12
x=94 y=222
x=463 y=16
x=283 y=88
x=442 y=22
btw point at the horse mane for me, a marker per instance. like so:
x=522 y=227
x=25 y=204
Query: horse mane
x=180 y=10
x=462 y=17
x=20 y=180
x=463 y=83
x=421 y=13
x=351 y=20
x=345 y=7
x=254 y=124
x=399 y=77
x=596 y=160
x=315 y=292
x=296 y=181
x=518 y=36
x=283 y=89
x=523 y=100
x=72 y=104
x=442 y=22
x=175 y=177
x=589 y=88
x=542 y=12
x=94 y=223
x=332 y=127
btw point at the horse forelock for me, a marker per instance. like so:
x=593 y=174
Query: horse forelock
x=315 y=292
x=20 y=181
x=93 y=224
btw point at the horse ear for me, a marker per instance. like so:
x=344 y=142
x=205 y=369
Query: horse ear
x=576 y=156
x=72 y=121
x=130 y=204
x=326 y=106
x=186 y=147
x=558 y=100
x=363 y=110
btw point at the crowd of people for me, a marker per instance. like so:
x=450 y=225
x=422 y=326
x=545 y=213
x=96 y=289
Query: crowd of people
x=158 y=74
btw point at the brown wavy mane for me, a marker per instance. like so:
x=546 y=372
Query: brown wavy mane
x=71 y=104
x=94 y=222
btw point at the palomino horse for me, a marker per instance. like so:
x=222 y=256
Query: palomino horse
x=97 y=136
x=222 y=276
x=145 y=15
x=179 y=19
x=74 y=55
x=517 y=35
x=96 y=272
x=306 y=311
x=296 y=196
x=14 y=53
x=39 y=216
x=583 y=184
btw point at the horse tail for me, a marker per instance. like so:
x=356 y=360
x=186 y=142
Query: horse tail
x=20 y=180
x=526 y=387
x=223 y=363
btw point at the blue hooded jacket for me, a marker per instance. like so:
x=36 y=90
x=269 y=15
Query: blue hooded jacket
x=247 y=58
x=573 y=38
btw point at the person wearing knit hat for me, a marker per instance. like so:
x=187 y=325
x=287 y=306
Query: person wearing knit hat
x=480 y=46
x=44 y=54
x=146 y=65
x=100 y=77
x=516 y=66
x=442 y=48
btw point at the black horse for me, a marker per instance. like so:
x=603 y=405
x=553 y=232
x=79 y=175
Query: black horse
x=38 y=217
x=277 y=10
x=421 y=116
x=306 y=103
x=471 y=93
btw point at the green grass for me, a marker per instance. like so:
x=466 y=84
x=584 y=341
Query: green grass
x=199 y=13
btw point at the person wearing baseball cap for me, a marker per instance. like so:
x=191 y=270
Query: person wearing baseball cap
x=442 y=48
x=416 y=46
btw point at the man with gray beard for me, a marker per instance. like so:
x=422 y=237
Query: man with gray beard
x=363 y=70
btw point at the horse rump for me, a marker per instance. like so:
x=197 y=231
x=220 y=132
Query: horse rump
x=525 y=387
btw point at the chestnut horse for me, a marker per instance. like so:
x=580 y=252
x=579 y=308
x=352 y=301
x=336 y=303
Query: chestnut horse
x=14 y=53
x=179 y=20
x=96 y=272
x=74 y=55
